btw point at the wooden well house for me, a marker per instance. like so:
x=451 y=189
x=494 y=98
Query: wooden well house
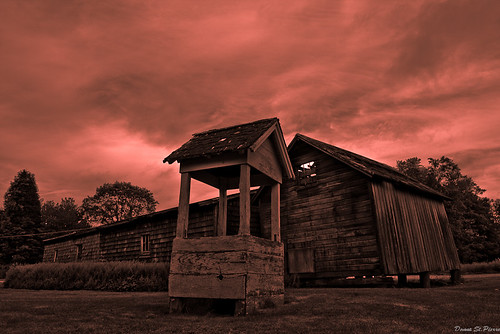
x=242 y=269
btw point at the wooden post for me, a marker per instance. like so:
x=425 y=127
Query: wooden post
x=402 y=280
x=222 y=215
x=183 y=213
x=425 y=280
x=244 y=200
x=455 y=276
x=275 y=212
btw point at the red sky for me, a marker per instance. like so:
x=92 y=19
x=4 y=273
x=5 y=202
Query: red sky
x=97 y=91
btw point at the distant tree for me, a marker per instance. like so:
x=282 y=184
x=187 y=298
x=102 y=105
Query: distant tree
x=4 y=241
x=495 y=210
x=62 y=216
x=476 y=234
x=22 y=209
x=117 y=201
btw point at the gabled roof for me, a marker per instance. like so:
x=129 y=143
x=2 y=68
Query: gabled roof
x=219 y=143
x=235 y=138
x=369 y=167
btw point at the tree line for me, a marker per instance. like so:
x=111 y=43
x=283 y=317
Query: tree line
x=26 y=220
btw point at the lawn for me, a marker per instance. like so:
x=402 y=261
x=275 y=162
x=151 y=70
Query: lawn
x=347 y=310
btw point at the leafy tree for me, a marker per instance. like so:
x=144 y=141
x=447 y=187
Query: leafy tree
x=22 y=209
x=476 y=234
x=62 y=216
x=117 y=201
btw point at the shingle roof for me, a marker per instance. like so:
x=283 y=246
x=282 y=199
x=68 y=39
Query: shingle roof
x=214 y=142
x=367 y=166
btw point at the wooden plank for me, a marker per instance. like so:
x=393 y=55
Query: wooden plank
x=207 y=286
x=183 y=215
x=228 y=243
x=275 y=212
x=265 y=160
x=239 y=262
x=222 y=213
x=245 y=209
x=226 y=160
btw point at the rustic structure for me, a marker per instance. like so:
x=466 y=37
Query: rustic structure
x=243 y=268
x=343 y=215
x=347 y=215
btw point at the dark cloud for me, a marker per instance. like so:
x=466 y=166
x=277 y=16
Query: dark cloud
x=98 y=91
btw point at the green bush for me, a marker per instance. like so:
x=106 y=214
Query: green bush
x=482 y=267
x=108 y=276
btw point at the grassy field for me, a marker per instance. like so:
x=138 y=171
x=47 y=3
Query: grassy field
x=347 y=310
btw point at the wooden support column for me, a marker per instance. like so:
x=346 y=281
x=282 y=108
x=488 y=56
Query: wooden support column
x=425 y=279
x=402 y=280
x=455 y=276
x=222 y=214
x=183 y=212
x=244 y=200
x=275 y=212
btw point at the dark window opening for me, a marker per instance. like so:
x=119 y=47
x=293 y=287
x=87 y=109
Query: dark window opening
x=145 y=243
x=306 y=174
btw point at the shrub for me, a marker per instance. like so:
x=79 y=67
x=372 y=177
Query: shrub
x=108 y=276
x=482 y=267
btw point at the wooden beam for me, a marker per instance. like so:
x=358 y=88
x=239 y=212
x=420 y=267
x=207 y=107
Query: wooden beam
x=183 y=213
x=222 y=215
x=275 y=212
x=229 y=159
x=244 y=200
x=425 y=279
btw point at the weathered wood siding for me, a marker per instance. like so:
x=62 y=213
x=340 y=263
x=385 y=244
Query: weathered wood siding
x=413 y=230
x=330 y=219
x=67 y=249
x=123 y=242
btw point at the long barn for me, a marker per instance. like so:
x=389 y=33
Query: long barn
x=343 y=215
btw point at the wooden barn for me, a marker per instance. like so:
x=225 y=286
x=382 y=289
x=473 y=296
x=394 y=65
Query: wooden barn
x=342 y=215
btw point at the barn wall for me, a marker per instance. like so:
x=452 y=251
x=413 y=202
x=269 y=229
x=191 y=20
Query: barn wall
x=414 y=234
x=67 y=249
x=327 y=226
x=122 y=242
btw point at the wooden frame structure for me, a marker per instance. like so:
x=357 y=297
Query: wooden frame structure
x=243 y=268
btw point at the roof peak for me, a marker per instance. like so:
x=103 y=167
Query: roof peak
x=274 y=119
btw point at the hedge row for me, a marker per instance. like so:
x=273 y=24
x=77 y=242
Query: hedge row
x=108 y=276
x=481 y=267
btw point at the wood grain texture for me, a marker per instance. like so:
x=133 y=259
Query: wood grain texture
x=413 y=230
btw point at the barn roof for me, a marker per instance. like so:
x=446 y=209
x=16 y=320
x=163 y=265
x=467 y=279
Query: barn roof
x=235 y=138
x=367 y=166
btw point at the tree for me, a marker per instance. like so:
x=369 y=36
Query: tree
x=23 y=212
x=116 y=202
x=62 y=216
x=476 y=234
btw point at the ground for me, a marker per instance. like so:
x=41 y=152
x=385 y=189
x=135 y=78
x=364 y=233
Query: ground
x=442 y=309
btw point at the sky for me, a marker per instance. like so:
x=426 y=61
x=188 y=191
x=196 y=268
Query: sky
x=101 y=91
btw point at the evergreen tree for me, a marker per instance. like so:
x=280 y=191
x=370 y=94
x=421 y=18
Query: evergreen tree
x=23 y=212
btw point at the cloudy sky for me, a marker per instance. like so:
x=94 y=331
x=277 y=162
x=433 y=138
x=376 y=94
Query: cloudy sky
x=97 y=91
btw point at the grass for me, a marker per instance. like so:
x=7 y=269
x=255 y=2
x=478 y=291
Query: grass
x=366 y=310
x=109 y=276
x=482 y=267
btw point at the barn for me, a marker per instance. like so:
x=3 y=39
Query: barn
x=342 y=215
